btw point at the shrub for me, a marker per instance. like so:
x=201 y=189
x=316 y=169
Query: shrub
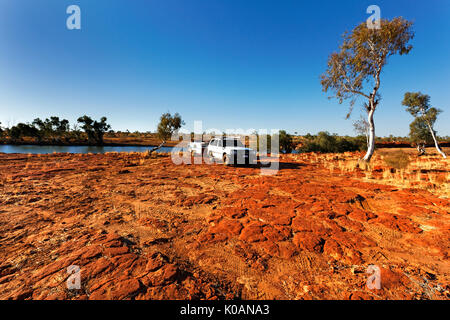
x=286 y=144
x=168 y=124
x=397 y=160
x=95 y=130
x=23 y=130
x=331 y=143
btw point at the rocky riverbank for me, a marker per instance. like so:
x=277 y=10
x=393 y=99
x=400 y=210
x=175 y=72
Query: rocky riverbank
x=140 y=227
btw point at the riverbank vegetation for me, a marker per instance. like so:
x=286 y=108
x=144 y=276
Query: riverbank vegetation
x=56 y=131
x=87 y=131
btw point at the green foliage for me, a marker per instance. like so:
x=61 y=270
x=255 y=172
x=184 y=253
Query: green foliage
x=331 y=143
x=397 y=160
x=419 y=132
x=23 y=130
x=286 y=143
x=418 y=105
x=359 y=62
x=95 y=130
x=75 y=133
x=87 y=125
x=168 y=124
x=100 y=128
x=51 y=128
x=55 y=129
x=264 y=142
x=362 y=55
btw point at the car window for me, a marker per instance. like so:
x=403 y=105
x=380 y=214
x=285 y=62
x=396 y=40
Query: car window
x=233 y=143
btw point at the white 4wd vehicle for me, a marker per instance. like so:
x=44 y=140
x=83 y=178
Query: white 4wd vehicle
x=230 y=151
x=196 y=147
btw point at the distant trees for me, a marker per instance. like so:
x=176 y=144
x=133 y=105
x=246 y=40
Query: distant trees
x=60 y=127
x=362 y=128
x=44 y=127
x=420 y=135
x=360 y=60
x=87 y=125
x=418 y=105
x=330 y=143
x=52 y=128
x=100 y=128
x=75 y=132
x=286 y=143
x=262 y=142
x=95 y=130
x=23 y=130
x=168 y=124
x=56 y=130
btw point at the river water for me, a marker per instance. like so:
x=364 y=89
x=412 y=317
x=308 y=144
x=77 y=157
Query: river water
x=34 y=149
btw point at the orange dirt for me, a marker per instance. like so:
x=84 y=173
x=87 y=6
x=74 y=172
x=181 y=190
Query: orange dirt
x=144 y=228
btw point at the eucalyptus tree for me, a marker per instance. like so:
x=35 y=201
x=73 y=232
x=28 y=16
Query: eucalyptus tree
x=418 y=105
x=354 y=71
x=420 y=135
x=168 y=124
x=100 y=128
x=286 y=142
x=95 y=130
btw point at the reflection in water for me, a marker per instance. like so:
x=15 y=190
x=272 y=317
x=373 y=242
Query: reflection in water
x=75 y=149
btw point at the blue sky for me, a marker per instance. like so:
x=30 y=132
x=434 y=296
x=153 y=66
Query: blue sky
x=230 y=63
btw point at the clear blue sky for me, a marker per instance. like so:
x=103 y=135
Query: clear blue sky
x=231 y=63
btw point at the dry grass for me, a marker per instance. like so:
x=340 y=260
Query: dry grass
x=400 y=167
x=397 y=160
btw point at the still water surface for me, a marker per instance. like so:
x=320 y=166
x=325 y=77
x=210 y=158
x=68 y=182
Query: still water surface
x=33 y=149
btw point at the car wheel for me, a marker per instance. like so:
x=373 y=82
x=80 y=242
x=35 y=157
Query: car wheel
x=226 y=159
x=210 y=157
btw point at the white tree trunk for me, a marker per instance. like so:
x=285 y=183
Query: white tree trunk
x=367 y=137
x=371 y=144
x=421 y=149
x=158 y=147
x=436 y=143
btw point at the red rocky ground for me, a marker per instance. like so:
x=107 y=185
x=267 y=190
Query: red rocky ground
x=148 y=229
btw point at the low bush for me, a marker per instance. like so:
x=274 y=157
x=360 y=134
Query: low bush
x=325 y=142
x=397 y=160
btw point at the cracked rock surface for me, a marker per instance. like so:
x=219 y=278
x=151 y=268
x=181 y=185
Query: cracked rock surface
x=145 y=228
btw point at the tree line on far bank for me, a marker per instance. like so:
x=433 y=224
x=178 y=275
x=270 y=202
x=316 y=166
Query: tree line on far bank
x=54 y=130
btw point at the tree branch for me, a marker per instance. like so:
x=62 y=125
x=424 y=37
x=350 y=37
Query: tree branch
x=351 y=89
